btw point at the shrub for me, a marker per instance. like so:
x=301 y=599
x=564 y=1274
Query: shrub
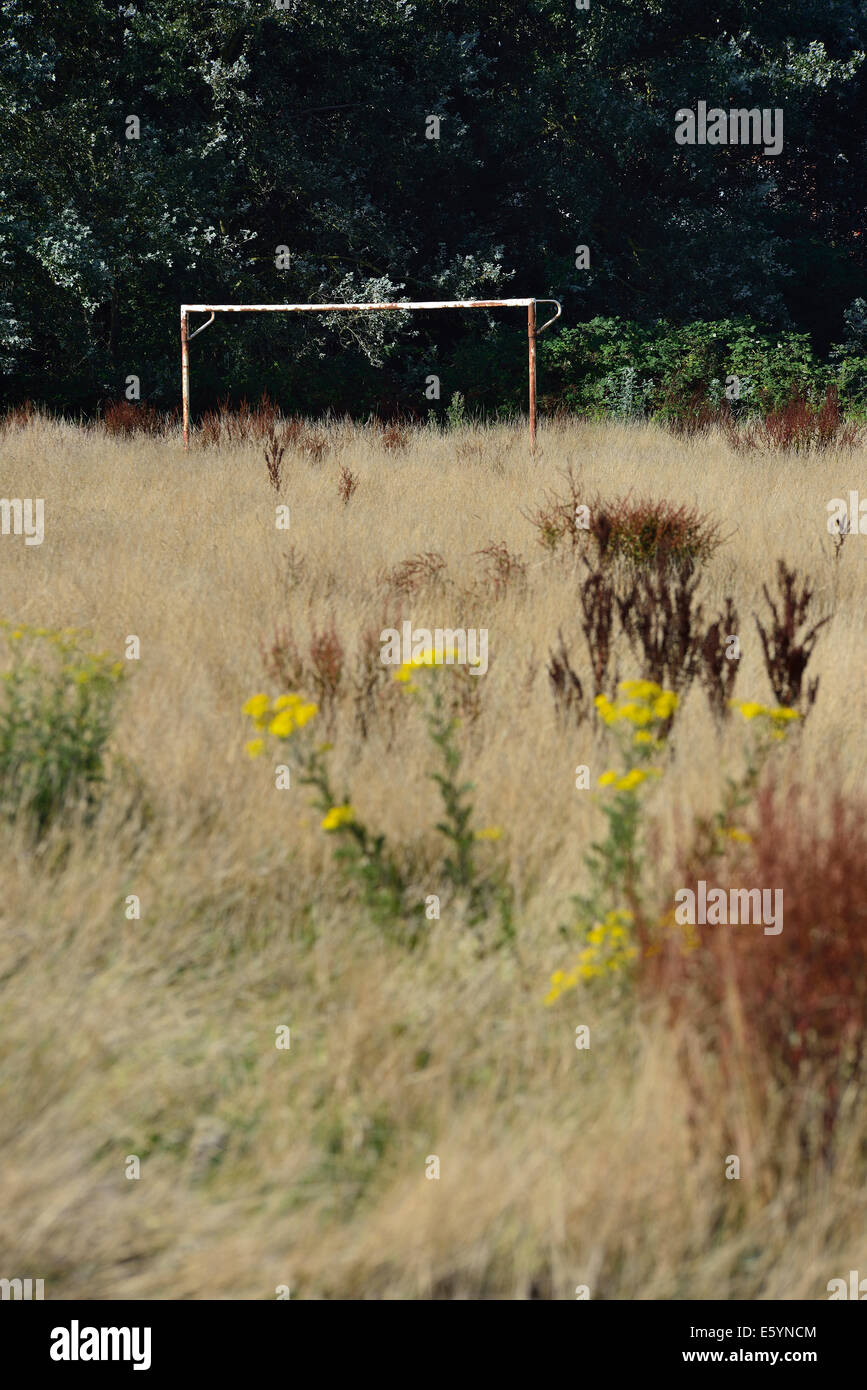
x=648 y=530
x=18 y=417
x=693 y=376
x=787 y=1008
x=257 y=423
x=663 y=623
x=503 y=570
x=718 y=667
x=56 y=715
x=788 y=642
x=558 y=516
x=347 y=482
x=393 y=436
x=274 y=452
x=799 y=427
x=598 y=608
x=644 y=531
x=126 y=419
x=566 y=686
x=327 y=662
x=423 y=573
x=625 y=396
x=456 y=411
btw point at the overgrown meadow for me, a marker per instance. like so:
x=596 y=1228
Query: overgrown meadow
x=378 y=971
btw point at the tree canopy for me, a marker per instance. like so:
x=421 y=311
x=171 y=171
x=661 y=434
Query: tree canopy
x=305 y=125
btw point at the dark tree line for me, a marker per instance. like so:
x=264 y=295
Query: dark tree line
x=304 y=126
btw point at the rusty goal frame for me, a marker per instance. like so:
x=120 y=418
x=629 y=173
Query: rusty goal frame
x=213 y=309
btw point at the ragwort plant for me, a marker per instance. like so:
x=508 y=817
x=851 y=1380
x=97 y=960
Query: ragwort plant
x=768 y=726
x=57 y=705
x=607 y=914
x=365 y=857
x=612 y=917
x=481 y=891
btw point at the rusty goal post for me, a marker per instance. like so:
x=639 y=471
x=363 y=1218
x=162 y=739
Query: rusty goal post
x=529 y=304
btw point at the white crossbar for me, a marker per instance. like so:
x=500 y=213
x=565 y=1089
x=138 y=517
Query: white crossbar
x=212 y=309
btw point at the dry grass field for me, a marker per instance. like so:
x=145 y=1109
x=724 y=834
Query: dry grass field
x=154 y=1037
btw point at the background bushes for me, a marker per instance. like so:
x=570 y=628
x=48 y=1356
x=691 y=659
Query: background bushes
x=304 y=127
x=617 y=367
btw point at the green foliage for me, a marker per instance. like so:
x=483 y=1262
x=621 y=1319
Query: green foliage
x=481 y=891
x=365 y=858
x=614 y=865
x=619 y=368
x=305 y=127
x=850 y=358
x=456 y=413
x=626 y=398
x=57 y=704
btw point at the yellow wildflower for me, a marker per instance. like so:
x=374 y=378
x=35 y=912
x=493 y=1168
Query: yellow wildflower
x=750 y=709
x=782 y=715
x=304 y=713
x=665 y=704
x=255 y=747
x=740 y=835
x=490 y=832
x=607 y=778
x=605 y=708
x=339 y=816
x=633 y=779
x=284 y=724
x=256 y=706
x=636 y=714
x=606 y=949
x=640 y=690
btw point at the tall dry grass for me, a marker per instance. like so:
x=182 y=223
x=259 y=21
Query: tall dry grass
x=156 y=1037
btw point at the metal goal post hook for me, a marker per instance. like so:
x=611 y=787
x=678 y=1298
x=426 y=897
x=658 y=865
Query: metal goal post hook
x=529 y=304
